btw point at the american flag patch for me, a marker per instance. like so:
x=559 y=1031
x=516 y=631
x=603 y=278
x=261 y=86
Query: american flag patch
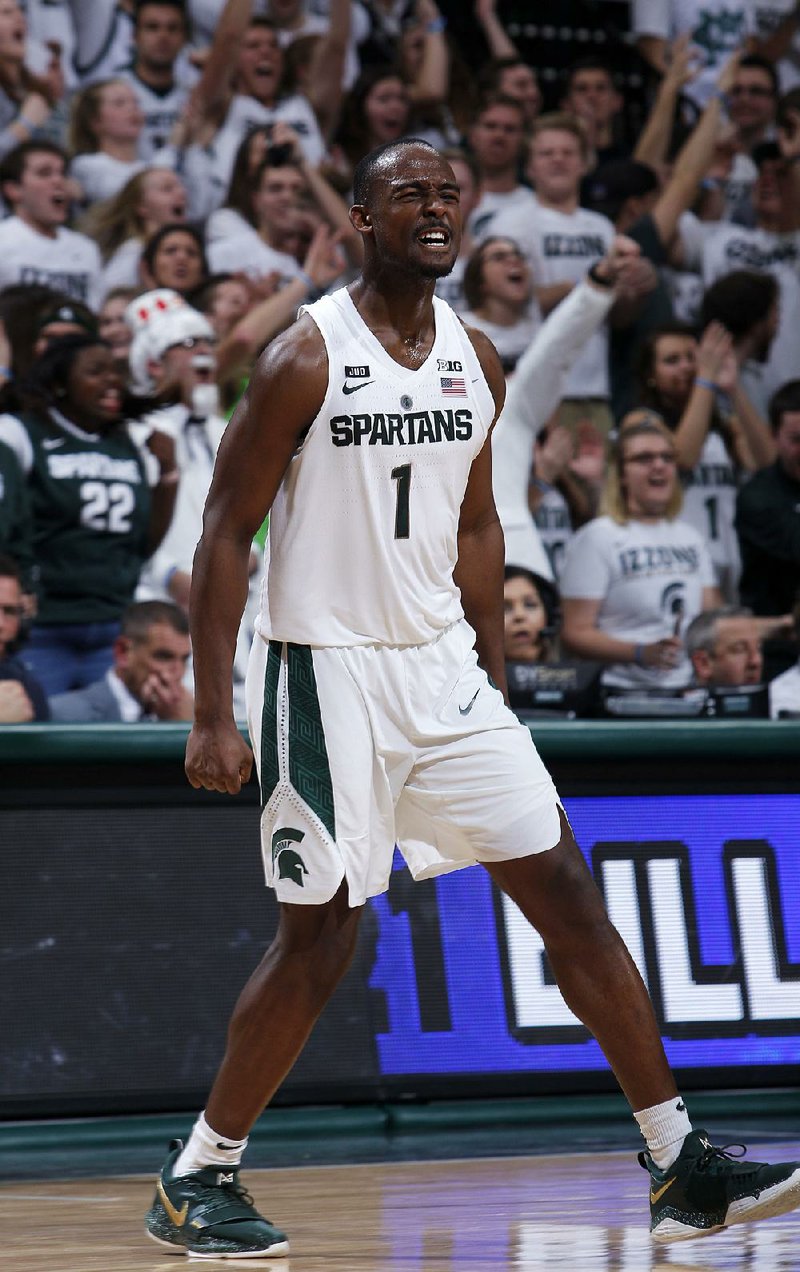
x=454 y=386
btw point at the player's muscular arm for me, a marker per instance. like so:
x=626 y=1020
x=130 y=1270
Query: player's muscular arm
x=284 y=395
x=481 y=548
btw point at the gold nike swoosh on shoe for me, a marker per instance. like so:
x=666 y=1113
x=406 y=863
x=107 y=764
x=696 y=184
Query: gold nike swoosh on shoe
x=178 y=1217
x=658 y=1193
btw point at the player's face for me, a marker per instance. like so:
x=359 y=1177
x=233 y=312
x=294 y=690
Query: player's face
x=163 y=199
x=556 y=164
x=505 y=274
x=119 y=115
x=260 y=64
x=94 y=388
x=524 y=617
x=386 y=109
x=161 y=654
x=736 y=657
x=415 y=213
x=788 y=443
x=649 y=474
x=674 y=367
x=10 y=612
x=160 y=35
x=40 y=196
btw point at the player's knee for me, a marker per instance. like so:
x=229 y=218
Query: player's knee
x=321 y=943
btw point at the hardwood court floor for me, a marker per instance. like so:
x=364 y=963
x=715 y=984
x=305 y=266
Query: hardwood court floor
x=586 y=1212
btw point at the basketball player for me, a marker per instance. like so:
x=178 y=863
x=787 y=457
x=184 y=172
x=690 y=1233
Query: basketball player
x=373 y=704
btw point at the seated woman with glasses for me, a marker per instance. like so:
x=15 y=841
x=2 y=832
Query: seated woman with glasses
x=635 y=577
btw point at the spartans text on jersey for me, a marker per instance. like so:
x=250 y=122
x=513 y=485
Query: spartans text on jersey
x=410 y=429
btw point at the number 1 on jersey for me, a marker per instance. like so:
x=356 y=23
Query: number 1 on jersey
x=402 y=476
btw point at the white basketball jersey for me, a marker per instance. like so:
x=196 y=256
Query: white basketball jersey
x=363 y=531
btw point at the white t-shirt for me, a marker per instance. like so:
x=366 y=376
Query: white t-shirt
x=784 y=693
x=69 y=262
x=709 y=504
x=122 y=268
x=225 y=223
x=718 y=28
x=245 y=114
x=161 y=112
x=723 y=248
x=51 y=20
x=554 y=523
x=644 y=575
x=249 y=254
x=561 y=247
x=451 y=287
x=510 y=342
x=769 y=15
x=482 y=217
x=101 y=175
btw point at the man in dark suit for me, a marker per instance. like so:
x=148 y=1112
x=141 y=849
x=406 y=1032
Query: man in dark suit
x=146 y=682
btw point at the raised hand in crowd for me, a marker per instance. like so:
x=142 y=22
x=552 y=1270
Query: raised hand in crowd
x=325 y=261
x=716 y=357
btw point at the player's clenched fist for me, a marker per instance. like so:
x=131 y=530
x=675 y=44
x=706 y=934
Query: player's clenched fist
x=218 y=758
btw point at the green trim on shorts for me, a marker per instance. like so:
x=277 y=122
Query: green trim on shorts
x=309 y=771
x=270 y=772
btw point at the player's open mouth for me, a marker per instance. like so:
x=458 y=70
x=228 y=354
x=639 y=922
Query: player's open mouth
x=110 y=401
x=434 y=238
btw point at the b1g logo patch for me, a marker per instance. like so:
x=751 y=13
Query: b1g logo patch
x=446 y=364
x=356 y=373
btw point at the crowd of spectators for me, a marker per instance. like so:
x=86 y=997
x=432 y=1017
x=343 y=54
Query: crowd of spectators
x=175 y=178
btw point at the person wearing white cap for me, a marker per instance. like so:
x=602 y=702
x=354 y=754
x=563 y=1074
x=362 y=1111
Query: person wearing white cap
x=173 y=350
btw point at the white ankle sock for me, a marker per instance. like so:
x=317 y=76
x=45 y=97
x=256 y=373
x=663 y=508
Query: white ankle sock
x=207 y=1148
x=664 y=1127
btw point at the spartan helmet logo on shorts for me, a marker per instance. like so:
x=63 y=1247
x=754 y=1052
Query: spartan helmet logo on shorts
x=289 y=862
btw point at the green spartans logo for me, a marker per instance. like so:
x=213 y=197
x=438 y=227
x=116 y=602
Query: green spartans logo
x=290 y=863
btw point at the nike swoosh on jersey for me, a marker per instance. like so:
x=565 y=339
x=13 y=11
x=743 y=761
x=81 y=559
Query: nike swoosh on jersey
x=353 y=388
x=50 y=443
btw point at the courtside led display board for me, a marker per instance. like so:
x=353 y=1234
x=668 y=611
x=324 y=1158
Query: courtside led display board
x=133 y=909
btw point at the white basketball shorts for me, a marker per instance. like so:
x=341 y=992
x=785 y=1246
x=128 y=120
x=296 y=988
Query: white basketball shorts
x=362 y=747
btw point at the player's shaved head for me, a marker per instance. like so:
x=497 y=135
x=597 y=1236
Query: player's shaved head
x=379 y=162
